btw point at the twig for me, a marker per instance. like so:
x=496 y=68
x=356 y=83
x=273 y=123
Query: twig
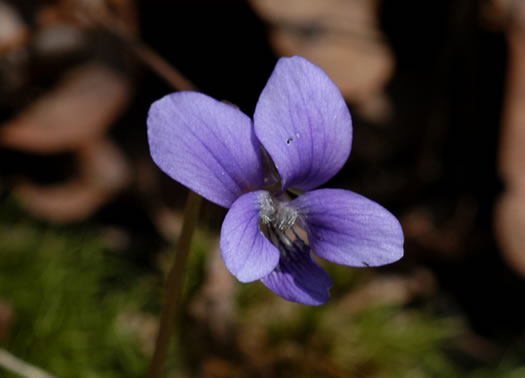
x=159 y=65
x=146 y=54
x=22 y=368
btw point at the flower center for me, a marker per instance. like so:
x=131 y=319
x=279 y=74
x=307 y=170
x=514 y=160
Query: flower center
x=276 y=214
x=282 y=225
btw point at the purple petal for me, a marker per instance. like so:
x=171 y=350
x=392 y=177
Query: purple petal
x=302 y=120
x=247 y=253
x=299 y=278
x=206 y=145
x=347 y=228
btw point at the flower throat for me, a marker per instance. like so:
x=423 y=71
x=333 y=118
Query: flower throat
x=282 y=225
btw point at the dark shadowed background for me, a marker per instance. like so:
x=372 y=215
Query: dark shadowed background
x=88 y=222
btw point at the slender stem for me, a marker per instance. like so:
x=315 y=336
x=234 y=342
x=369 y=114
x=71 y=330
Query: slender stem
x=174 y=285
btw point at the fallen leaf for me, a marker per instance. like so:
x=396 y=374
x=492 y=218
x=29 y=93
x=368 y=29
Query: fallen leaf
x=341 y=36
x=103 y=171
x=81 y=108
x=509 y=220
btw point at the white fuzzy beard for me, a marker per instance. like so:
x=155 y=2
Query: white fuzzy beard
x=274 y=214
x=282 y=225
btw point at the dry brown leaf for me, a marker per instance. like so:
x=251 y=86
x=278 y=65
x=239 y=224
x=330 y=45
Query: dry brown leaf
x=512 y=148
x=80 y=109
x=509 y=219
x=13 y=31
x=389 y=290
x=444 y=240
x=341 y=36
x=59 y=39
x=510 y=228
x=103 y=170
x=167 y=221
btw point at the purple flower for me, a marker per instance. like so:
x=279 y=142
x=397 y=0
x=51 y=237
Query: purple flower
x=300 y=137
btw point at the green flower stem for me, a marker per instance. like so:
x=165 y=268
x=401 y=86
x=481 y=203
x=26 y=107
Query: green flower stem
x=175 y=277
x=174 y=285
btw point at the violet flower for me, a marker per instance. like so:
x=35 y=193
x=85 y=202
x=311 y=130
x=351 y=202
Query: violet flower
x=300 y=138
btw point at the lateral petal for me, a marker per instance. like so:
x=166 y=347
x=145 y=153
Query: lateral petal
x=302 y=120
x=206 y=145
x=247 y=253
x=346 y=228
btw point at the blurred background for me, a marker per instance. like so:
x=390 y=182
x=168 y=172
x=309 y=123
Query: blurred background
x=88 y=223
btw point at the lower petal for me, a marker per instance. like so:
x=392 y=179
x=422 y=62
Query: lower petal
x=247 y=253
x=346 y=228
x=299 y=278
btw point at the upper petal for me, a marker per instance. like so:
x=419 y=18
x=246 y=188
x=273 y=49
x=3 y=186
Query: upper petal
x=206 y=145
x=302 y=120
x=299 y=278
x=247 y=253
x=347 y=228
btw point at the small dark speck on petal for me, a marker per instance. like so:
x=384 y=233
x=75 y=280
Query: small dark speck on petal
x=290 y=140
x=365 y=264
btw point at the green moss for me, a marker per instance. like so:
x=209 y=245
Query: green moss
x=68 y=294
x=81 y=311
